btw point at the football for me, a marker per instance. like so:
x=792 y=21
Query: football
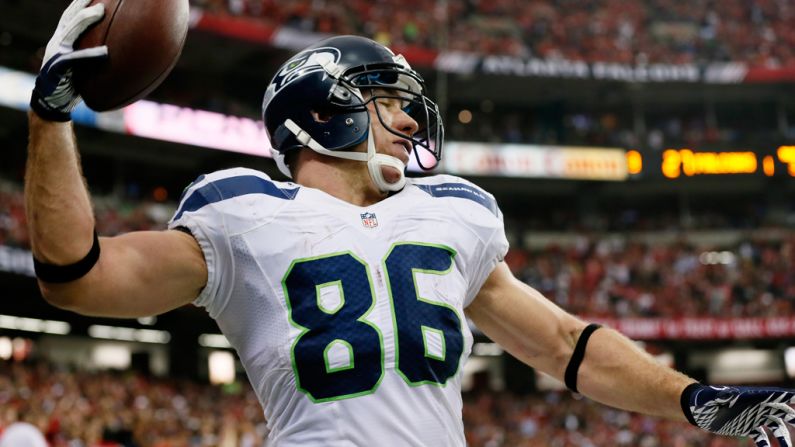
x=144 y=39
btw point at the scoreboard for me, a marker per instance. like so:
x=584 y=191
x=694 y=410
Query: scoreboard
x=686 y=162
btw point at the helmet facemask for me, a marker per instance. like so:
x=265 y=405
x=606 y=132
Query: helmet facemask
x=406 y=86
x=319 y=100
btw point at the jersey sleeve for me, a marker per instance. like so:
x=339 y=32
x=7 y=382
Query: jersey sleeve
x=198 y=215
x=211 y=209
x=475 y=208
x=494 y=248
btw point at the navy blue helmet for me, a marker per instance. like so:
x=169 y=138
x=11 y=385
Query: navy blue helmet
x=335 y=79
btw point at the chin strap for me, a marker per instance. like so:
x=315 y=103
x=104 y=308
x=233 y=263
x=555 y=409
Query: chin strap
x=375 y=161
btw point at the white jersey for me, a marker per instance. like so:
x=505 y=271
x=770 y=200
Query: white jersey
x=349 y=320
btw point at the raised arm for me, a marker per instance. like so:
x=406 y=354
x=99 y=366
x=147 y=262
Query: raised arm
x=614 y=371
x=136 y=274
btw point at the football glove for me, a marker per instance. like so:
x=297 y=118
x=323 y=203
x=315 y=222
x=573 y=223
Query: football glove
x=741 y=411
x=54 y=97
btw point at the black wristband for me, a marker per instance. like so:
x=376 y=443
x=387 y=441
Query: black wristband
x=67 y=273
x=46 y=113
x=577 y=356
x=684 y=401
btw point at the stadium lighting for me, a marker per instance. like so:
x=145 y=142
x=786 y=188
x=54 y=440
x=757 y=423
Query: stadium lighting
x=214 y=341
x=634 y=162
x=465 y=116
x=746 y=366
x=6 y=348
x=678 y=162
x=789 y=362
x=487 y=349
x=222 y=367
x=128 y=334
x=109 y=356
x=34 y=325
x=787 y=155
x=147 y=321
x=769 y=166
x=717 y=258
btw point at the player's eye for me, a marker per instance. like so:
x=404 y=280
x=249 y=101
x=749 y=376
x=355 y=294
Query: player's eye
x=389 y=103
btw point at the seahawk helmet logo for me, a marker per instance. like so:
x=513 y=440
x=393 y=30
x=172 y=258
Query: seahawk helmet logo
x=303 y=63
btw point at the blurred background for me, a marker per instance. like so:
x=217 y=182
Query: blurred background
x=642 y=152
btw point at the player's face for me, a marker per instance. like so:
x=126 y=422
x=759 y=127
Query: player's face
x=387 y=110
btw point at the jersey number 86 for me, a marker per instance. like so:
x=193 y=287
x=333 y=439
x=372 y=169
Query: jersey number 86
x=428 y=335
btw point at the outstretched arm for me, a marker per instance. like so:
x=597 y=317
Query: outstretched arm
x=614 y=371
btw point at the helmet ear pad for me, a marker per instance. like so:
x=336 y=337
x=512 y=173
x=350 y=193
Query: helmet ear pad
x=345 y=120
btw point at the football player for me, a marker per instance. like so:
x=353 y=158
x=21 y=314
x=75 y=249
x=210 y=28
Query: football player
x=345 y=292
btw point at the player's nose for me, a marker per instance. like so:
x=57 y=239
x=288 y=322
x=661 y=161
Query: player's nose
x=406 y=124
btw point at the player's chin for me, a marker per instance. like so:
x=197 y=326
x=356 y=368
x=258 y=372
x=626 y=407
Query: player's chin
x=391 y=174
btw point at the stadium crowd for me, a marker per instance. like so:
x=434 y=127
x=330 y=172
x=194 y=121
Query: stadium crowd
x=648 y=31
x=557 y=419
x=602 y=129
x=92 y=409
x=113 y=216
x=616 y=278
x=643 y=32
x=688 y=125
x=126 y=409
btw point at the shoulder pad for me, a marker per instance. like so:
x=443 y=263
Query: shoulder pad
x=230 y=183
x=451 y=186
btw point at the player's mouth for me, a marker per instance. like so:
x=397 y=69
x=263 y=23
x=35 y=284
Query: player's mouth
x=407 y=148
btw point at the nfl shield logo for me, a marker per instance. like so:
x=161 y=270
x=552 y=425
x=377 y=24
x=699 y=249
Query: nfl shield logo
x=369 y=220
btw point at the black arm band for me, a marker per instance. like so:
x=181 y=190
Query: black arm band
x=577 y=356
x=66 y=273
x=684 y=401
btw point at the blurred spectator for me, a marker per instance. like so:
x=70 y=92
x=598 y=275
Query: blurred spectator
x=643 y=32
x=603 y=278
x=614 y=31
x=91 y=409
x=113 y=216
x=556 y=419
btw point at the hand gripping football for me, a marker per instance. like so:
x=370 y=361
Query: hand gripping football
x=144 y=39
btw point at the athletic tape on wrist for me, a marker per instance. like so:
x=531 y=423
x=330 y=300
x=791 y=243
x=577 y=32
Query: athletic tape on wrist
x=66 y=273
x=684 y=401
x=577 y=356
